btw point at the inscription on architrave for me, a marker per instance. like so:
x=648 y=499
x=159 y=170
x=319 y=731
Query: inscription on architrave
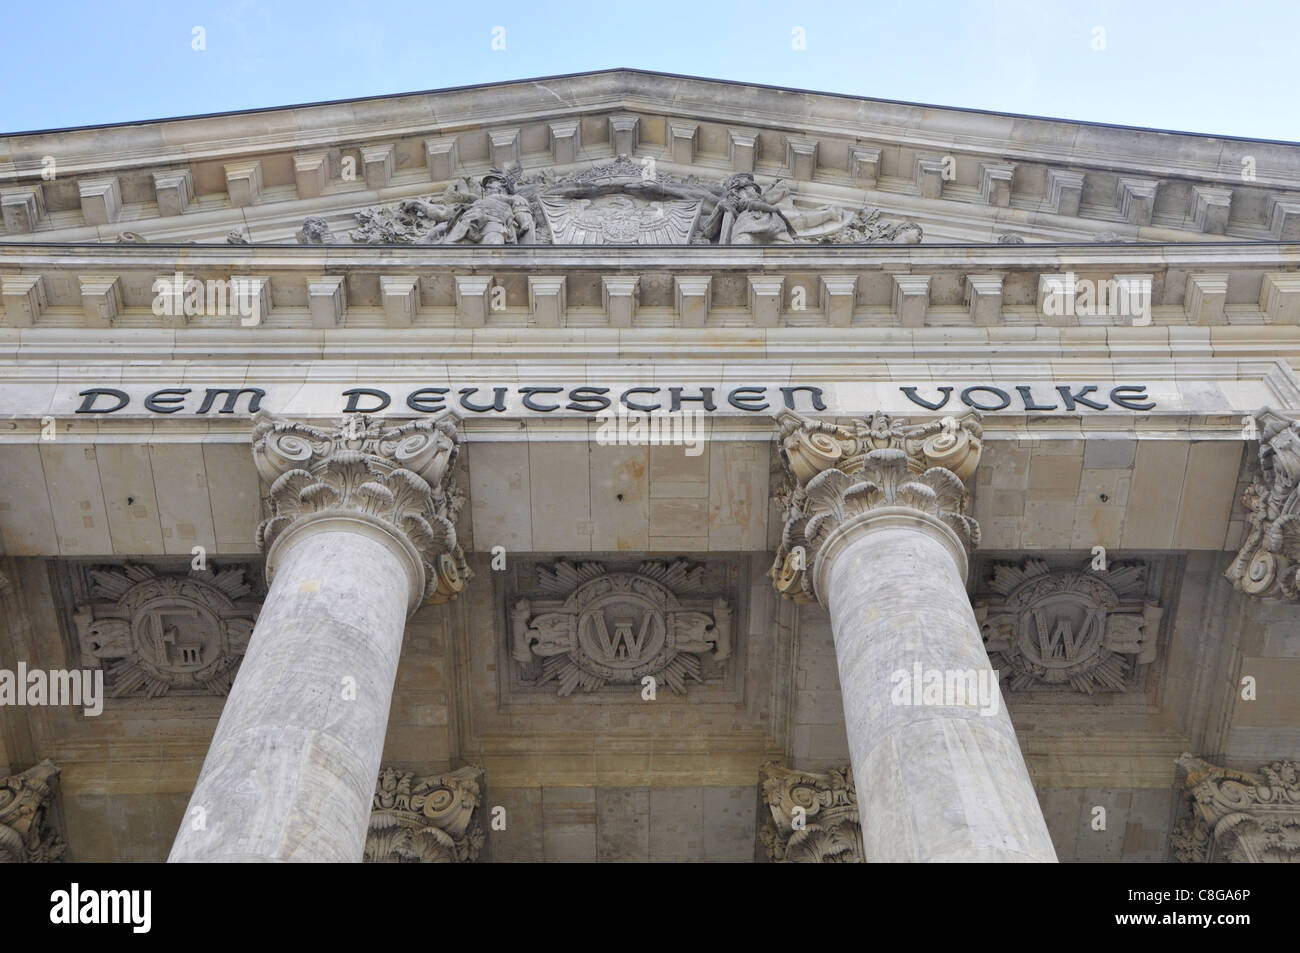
x=594 y=627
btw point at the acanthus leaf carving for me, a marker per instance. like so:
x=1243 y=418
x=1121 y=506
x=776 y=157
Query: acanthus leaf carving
x=1268 y=563
x=27 y=834
x=832 y=473
x=400 y=475
x=426 y=820
x=812 y=818
x=1237 y=817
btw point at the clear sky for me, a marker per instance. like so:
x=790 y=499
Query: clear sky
x=1227 y=68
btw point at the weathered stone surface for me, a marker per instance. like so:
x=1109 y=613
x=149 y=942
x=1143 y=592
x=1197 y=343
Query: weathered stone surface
x=813 y=818
x=1238 y=817
x=26 y=812
x=426 y=820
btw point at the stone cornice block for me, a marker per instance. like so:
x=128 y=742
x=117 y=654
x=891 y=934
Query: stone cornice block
x=546 y=300
x=566 y=141
x=1284 y=219
x=928 y=173
x=1211 y=208
x=443 y=158
x=327 y=300
x=401 y=296
x=911 y=299
x=742 y=149
x=254 y=291
x=1279 y=298
x=244 y=183
x=101 y=298
x=1064 y=191
x=1205 y=298
x=472 y=304
x=839 y=295
x=684 y=136
x=623 y=132
x=101 y=200
x=995 y=183
x=984 y=297
x=618 y=294
x=24 y=299
x=864 y=165
x=692 y=296
x=23 y=208
x=766 y=296
x=503 y=147
x=311 y=173
x=1136 y=199
x=801 y=157
x=378 y=163
x=173 y=191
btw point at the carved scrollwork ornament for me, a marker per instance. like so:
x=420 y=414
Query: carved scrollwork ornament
x=398 y=475
x=812 y=818
x=26 y=807
x=1268 y=563
x=426 y=820
x=832 y=473
x=1237 y=817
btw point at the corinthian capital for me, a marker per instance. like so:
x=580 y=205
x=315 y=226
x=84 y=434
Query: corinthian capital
x=1239 y=817
x=812 y=818
x=399 y=476
x=26 y=801
x=1268 y=563
x=427 y=820
x=834 y=473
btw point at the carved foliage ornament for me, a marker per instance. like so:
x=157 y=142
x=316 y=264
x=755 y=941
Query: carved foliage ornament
x=153 y=633
x=812 y=818
x=26 y=803
x=620 y=202
x=832 y=473
x=399 y=475
x=1085 y=629
x=1268 y=563
x=1239 y=817
x=426 y=820
x=618 y=627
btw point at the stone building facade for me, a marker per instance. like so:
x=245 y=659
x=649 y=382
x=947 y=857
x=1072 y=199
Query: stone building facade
x=632 y=467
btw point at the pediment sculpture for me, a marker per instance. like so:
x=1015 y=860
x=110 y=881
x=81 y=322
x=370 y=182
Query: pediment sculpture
x=618 y=203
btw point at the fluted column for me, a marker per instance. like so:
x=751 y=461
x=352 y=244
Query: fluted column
x=359 y=535
x=876 y=531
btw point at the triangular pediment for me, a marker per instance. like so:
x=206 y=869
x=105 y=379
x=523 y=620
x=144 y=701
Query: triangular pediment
x=626 y=157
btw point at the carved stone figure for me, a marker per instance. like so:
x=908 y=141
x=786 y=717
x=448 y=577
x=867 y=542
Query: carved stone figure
x=812 y=818
x=1081 y=629
x=618 y=627
x=315 y=231
x=619 y=202
x=426 y=820
x=1238 y=817
x=155 y=633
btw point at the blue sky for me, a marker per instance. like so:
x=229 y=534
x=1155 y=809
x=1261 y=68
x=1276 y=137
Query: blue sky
x=1221 y=68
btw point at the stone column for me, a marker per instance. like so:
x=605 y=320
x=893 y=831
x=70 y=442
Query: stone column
x=876 y=531
x=359 y=535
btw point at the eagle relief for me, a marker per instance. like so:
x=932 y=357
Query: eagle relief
x=617 y=203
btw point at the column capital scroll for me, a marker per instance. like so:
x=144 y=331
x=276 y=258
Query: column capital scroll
x=1268 y=563
x=835 y=476
x=397 y=479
